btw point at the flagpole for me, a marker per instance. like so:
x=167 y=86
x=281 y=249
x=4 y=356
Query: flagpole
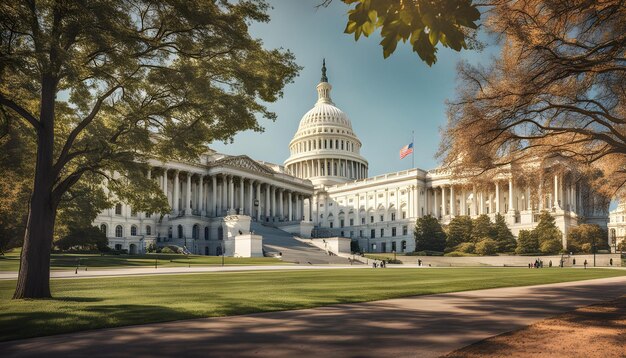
x=413 y=152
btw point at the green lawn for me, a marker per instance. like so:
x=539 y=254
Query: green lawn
x=11 y=261
x=108 y=302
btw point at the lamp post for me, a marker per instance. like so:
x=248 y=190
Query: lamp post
x=256 y=206
x=222 y=245
x=594 y=251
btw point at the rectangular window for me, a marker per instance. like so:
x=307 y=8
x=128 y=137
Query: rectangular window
x=373 y=234
x=341 y=222
x=393 y=216
x=351 y=234
x=351 y=222
x=363 y=221
x=382 y=232
x=331 y=224
x=382 y=218
x=393 y=246
x=342 y=234
x=404 y=214
x=360 y=233
x=393 y=231
x=405 y=230
x=372 y=218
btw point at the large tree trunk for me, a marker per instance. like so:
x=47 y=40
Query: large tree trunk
x=34 y=276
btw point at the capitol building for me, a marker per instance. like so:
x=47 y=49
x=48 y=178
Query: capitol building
x=324 y=190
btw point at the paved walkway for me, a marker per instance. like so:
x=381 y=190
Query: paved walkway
x=149 y=271
x=425 y=326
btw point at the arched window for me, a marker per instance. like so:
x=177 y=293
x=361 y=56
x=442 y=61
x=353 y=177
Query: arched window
x=220 y=233
x=180 y=231
x=206 y=233
x=195 y=232
x=148 y=230
x=118 y=209
x=133 y=230
x=169 y=232
x=103 y=228
x=119 y=231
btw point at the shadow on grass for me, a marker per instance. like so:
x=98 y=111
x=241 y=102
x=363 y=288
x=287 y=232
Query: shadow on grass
x=405 y=326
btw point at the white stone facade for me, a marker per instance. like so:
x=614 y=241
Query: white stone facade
x=324 y=190
x=201 y=195
x=617 y=226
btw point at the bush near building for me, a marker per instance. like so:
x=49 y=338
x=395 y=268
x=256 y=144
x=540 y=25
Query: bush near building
x=581 y=239
x=429 y=235
x=84 y=238
x=546 y=238
x=459 y=230
x=527 y=242
x=487 y=247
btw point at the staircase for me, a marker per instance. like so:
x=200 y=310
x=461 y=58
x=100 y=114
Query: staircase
x=277 y=241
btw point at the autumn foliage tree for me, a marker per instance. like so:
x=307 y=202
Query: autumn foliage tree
x=103 y=83
x=557 y=92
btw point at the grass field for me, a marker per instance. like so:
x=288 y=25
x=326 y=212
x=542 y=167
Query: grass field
x=109 y=302
x=11 y=261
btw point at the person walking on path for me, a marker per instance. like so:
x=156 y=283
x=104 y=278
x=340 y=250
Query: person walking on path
x=585 y=264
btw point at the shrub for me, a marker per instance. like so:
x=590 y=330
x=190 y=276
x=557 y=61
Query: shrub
x=459 y=231
x=84 y=238
x=168 y=250
x=466 y=247
x=527 y=243
x=429 y=235
x=487 y=247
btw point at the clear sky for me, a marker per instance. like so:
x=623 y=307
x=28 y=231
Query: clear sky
x=385 y=99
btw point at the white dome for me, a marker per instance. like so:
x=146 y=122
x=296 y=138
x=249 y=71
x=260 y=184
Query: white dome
x=324 y=148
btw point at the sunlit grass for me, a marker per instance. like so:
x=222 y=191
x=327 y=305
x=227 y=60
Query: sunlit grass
x=108 y=302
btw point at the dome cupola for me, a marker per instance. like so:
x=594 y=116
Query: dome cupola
x=325 y=148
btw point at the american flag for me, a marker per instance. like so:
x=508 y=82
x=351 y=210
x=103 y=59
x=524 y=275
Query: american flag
x=406 y=150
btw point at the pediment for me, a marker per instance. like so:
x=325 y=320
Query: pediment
x=243 y=162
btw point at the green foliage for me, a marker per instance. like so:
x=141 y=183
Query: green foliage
x=169 y=250
x=459 y=231
x=429 y=235
x=466 y=247
x=85 y=238
x=527 y=242
x=503 y=236
x=482 y=227
x=582 y=238
x=487 y=247
x=424 y=24
x=622 y=246
x=548 y=235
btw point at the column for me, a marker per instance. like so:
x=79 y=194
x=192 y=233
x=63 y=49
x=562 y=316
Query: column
x=298 y=208
x=267 y=200
x=224 y=195
x=214 y=195
x=201 y=195
x=497 y=197
x=436 y=203
x=481 y=205
x=242 y=203
x=444 y=212
x=188 y=196
x=474 y=208
x=176 y=192
x=231 y=193
x=280 y=203
x=165 y=186
x=556 y=192
x=463 y=202
x=452 y=201
x=574 y=198
x=273 y=203
x=250 y=197
x=529 y=204
x=289 y=206
x=258 y=197
x=511 y=209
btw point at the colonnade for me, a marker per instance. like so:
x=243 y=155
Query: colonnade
x=193 y=193
x=505 y=198
x=328 y=167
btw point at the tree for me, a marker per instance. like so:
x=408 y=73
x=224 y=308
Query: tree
x=556 y=93
x=424 y=24
x=103 y=83
x=482 y=227
x=503 y=237
x=487 y=247
x=459 y=231
x=86 y=238
x=585 y=237
x=548 y=235
x=429 y=235
x=466 y=247
x=527 y=242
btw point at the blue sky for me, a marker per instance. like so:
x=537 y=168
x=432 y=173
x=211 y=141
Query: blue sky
x=384 y=98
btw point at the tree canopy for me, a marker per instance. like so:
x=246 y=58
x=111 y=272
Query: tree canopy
x=103 y=84
x=459 y=230
x=587 y=237
x=424 y=24
x=555 y=93
x=429 y=235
